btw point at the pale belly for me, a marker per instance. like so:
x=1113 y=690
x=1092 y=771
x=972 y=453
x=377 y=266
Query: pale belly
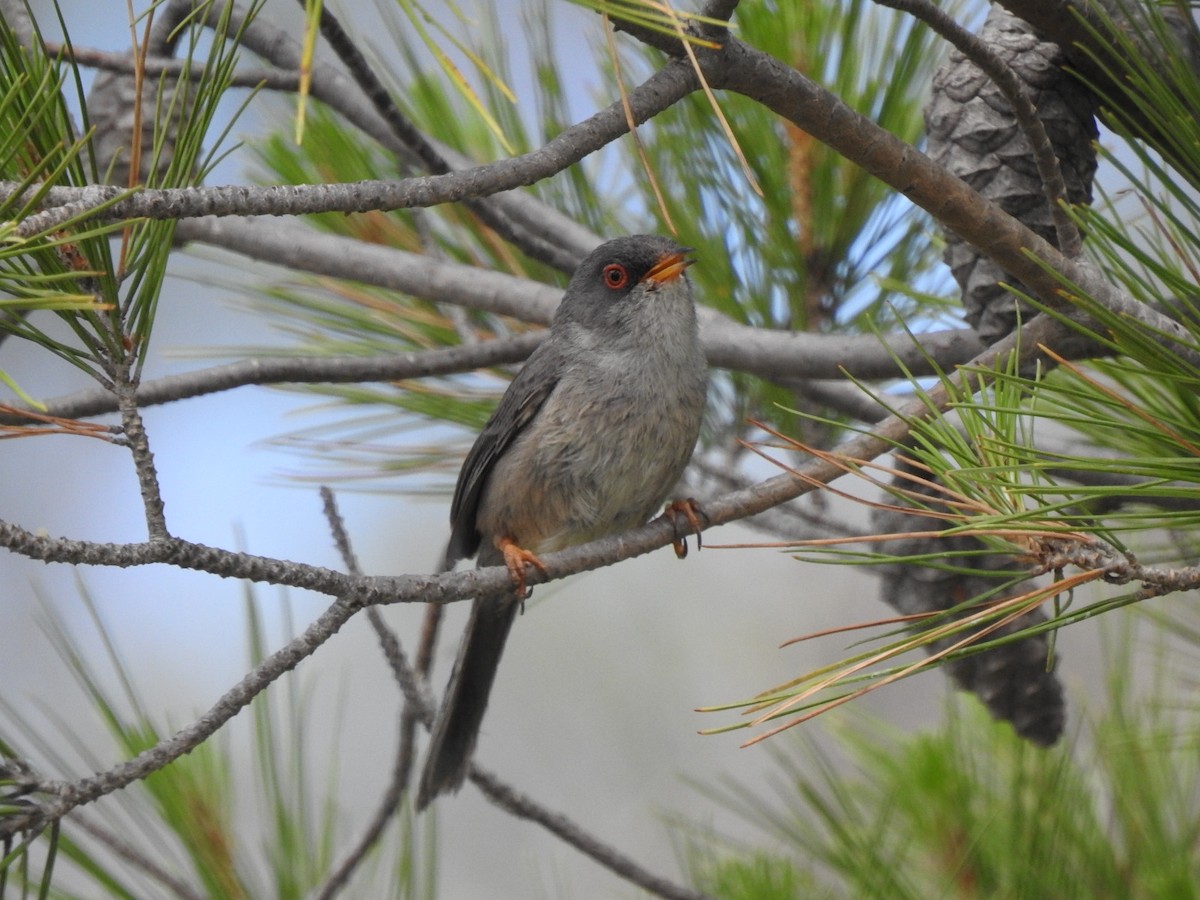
x=598 y=460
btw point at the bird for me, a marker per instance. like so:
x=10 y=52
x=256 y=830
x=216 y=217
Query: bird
x=588 y=440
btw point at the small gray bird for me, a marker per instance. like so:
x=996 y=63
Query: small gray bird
x=587 y=441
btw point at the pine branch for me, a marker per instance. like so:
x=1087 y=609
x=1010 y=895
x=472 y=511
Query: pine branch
x=564 y=829
x=128 y=64
x=981 y=54
x=393 y=794
x=455 y=586
x=1023 y=254
x=663 y=89
x=728 y=344
x=290 y=370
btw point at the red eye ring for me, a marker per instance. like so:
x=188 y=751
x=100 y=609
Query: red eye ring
x=615 y=276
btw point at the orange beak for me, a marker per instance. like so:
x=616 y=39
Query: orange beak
x=669 y=267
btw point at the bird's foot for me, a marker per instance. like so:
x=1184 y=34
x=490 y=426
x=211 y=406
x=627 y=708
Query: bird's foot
x=516 y=558
x=690 y=511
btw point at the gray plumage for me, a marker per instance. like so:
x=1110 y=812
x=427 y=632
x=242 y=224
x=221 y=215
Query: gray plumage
x=587 y=441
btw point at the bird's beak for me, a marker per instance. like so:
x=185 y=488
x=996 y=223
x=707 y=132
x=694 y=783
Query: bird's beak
x=669 y=267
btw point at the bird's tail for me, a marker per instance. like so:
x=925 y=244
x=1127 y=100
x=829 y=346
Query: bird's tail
x=457 y=724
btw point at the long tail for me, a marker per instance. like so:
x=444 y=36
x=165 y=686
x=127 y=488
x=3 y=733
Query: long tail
x=457 y=724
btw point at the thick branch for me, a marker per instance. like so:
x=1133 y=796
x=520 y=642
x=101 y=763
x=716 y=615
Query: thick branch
x=1023 y=254
x=729 y=345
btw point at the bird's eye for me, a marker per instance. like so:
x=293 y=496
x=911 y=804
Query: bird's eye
x=615 y=276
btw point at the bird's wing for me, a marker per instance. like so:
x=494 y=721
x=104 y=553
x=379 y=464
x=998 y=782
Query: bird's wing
x=517 y=408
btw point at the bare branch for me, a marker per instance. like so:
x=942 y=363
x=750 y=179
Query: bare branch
x=729 y=345
x=305 y=370
x=389 y=802
x=128 y=64
x=455 y=586
x=139 y=448
x=533 y=245
x=663 y=89
x=563 y=828
x=66 y=796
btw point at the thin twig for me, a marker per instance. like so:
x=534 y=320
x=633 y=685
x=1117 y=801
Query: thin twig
x=360 y=70
x=389 y=803
x=127 y=64
x=66 y=796
x=517 y=804
x=293 y=370
x=412 y=714
x=139 y=448
x=136 y=858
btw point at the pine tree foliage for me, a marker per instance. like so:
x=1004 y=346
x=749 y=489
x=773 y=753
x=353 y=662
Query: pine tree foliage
x=429 y=182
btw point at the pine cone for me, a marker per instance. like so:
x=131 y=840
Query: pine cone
x=974 y=134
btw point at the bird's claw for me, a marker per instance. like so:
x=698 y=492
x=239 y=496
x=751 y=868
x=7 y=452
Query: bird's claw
x=690 y=510
x=516 y=558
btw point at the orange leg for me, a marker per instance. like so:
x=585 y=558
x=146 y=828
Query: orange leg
x=691 y=511
x=516 y=559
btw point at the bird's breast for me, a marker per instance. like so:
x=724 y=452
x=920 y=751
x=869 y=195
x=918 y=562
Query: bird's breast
x=601 y=455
